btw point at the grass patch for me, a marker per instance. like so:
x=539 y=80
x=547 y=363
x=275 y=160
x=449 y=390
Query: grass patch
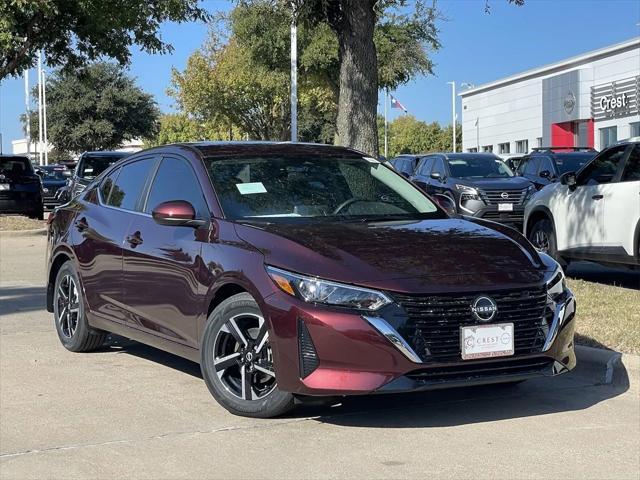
x=607 y=316
x=18 y=222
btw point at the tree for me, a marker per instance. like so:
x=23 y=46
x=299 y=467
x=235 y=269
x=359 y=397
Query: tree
x=260 y=30
x=73 y=32
x=178 y=127
x=98 y=108
x=407 y=134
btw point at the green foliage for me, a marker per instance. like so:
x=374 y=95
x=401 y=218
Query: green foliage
x=245 y=81
x=409 y=135
x=73 y=32
x=97 y=108
x=177 y=127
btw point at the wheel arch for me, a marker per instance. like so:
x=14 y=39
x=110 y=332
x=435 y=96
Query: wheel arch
x=58 y=258
x=538 y=213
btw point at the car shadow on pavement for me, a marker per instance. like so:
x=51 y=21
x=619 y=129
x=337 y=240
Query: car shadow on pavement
x=577 y=390
x=118 y=344
x=592 y=272
x=473 y=405
x=15 y=299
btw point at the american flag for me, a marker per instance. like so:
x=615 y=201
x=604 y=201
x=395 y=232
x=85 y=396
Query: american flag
x=395 y=103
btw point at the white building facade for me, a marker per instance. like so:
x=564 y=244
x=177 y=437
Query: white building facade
x=591 y=100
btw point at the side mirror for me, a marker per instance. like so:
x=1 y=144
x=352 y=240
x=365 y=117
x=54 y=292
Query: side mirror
x=176 y=213
x=569 y=179
x=546 y=174
x=445 y=203
x=405 y=174
x=39 y=172
x=436 y=176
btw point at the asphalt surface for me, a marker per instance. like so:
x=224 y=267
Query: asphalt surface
x=129 y=411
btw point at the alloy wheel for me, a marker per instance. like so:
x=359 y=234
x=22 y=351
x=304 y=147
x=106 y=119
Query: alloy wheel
x=67 y=306
x=243 y=359
x=541 y=241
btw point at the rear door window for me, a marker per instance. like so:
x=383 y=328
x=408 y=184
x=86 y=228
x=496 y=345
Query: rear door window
x=176 y=180
x=107 y=185
x=129 y=185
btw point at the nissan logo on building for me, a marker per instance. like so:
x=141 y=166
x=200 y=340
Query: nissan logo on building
x=484 y=308
x=569 y=102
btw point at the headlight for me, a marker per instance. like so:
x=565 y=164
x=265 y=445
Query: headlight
x=556 y=285
x=530 y=191
x=466 y=189
x=315 y=290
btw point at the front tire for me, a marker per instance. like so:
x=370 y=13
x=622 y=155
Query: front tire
x=237 y=360
x=543 y=236
x=74 y=331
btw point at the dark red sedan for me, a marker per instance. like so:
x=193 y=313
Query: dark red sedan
x=296 y=270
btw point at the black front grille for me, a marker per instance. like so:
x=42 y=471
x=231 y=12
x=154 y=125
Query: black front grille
x=433 y=326
x=493 y=197
x=514 y=216
x=478 y=370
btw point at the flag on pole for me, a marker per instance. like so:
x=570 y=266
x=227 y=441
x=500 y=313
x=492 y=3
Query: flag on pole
x=395 y=103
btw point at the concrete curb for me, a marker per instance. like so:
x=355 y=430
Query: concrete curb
x=23 y=233
x=607 y=366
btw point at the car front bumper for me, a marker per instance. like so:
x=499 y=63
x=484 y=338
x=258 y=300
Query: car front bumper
x=354 y=356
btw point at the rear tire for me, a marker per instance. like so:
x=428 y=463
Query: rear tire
x=543 y=236
x=70 y=318
x=236 y=360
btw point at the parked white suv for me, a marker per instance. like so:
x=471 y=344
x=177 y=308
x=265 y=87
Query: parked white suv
x=593 y=214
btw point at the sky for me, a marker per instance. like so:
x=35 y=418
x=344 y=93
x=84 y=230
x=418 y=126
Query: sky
x=476 y=48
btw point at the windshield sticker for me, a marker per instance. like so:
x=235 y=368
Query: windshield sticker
x=251 y=188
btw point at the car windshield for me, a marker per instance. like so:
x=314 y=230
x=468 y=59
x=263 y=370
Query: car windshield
x=478 y=167
x=55 y=173
x=93 y=165
x=291 y=188
x=15 y=166
x=572 y=162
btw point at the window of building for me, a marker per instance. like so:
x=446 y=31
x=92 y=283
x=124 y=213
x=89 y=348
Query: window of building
x=634 y=129
x=472 y=150
x=487 y=148
x=504 y=148
x=608 y=136
x=539 y=141
x=522 y=146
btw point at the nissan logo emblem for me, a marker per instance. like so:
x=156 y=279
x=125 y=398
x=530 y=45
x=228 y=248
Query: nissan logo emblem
x=504 y=195
x=484 y=308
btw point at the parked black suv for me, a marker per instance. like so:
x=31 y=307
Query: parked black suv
x=90 y=165
x=546 y=165
x=20 y=187
x=480 y=184
x=405 y=164
x=54 y=177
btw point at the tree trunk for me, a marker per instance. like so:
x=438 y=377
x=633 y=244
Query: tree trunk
x=358 y=100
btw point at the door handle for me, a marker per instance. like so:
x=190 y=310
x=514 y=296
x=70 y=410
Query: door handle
x=82 y=224
x=598 y=197
x=134 y=240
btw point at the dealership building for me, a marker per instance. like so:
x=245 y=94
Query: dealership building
x=590 y=100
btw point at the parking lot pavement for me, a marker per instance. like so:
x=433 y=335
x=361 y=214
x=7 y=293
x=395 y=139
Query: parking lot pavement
x=130 y=411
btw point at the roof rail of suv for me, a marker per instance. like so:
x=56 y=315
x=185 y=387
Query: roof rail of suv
x=571 y=149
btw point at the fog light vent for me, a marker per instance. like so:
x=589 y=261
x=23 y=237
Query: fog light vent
x=308 y=356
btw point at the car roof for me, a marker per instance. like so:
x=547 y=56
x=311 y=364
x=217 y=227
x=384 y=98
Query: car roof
x=248 y=148
x=462 y=155
x=106 y=153
x=8 y=155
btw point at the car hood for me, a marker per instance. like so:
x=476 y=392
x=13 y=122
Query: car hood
x=454 y=251
x=512 y=183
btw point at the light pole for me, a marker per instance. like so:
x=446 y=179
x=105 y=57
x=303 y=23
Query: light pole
x=453 y=112
x=294 y=72
x=40 y=133
x=27 y=104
